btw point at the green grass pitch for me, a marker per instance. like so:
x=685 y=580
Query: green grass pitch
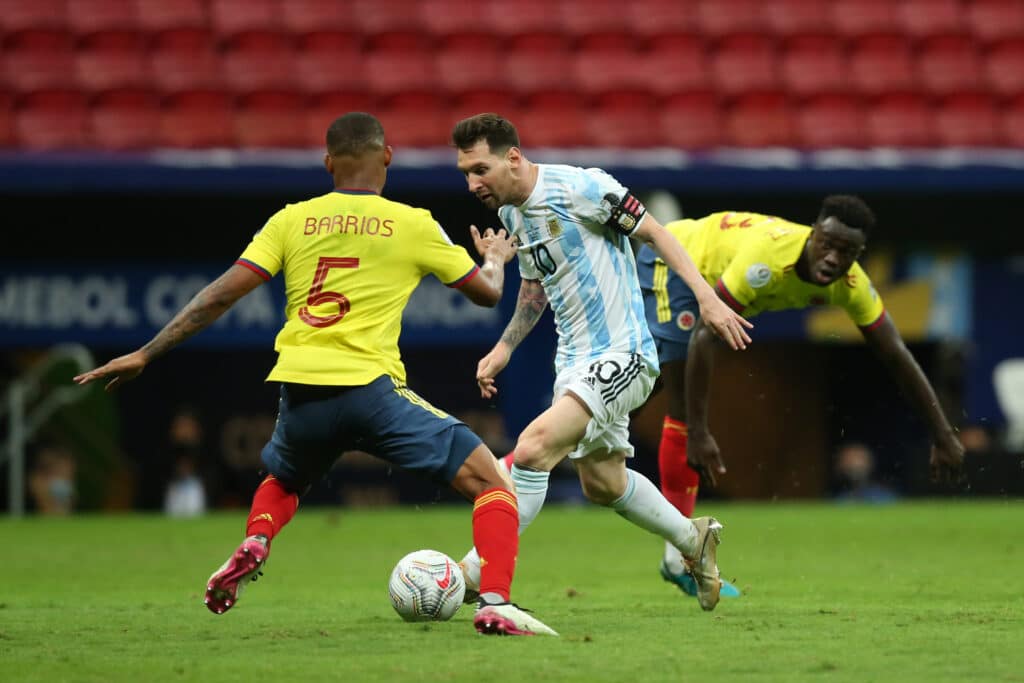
x=910 y=592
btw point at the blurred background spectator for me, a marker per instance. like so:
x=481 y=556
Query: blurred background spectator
x=855 y=476
x=51 y=481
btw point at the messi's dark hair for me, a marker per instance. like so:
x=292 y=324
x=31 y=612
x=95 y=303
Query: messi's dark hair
x=499 y=133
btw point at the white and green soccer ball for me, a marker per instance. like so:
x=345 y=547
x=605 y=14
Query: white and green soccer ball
x=426 y=585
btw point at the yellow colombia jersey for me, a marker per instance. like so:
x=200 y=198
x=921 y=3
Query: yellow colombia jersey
x=351 y=259
x=750 y=259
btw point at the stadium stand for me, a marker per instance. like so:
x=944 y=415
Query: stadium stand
x=831 y=120
x=870 y=64
x=900 y=120
x=125 y=119
x=760 y=120
x=967 y=120
x=691 y=121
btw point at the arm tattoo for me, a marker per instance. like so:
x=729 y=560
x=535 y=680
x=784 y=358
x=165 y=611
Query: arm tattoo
x=204 y=308
x=529 y=308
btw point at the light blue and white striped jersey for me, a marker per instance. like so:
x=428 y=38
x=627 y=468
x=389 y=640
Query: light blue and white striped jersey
x=587 y=268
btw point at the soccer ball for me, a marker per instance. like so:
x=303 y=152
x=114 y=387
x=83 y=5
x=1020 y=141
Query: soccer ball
x=426 y=585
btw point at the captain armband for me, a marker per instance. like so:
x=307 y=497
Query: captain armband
x=626 y=213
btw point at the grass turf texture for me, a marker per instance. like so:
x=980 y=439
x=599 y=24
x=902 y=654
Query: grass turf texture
x=910 y=592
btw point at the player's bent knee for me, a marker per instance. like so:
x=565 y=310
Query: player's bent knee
x=480 y=472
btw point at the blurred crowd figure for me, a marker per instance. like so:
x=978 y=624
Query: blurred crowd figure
x=51 y=481
x=854 y=470
x=185 y=492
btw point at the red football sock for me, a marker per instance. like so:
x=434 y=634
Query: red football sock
x=496 y=537
x=679 y=481
x=273 y=506
x=508 y=460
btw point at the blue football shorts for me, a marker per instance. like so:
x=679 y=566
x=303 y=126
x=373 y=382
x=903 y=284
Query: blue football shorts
x=673 y=302
x=316 y=424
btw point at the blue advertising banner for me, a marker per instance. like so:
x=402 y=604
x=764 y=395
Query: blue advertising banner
x=122 y=306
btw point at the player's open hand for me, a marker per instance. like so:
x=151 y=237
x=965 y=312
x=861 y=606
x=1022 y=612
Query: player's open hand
x=726 y=323
x=489 y=367
x=501 y=244
x=119 y=370
x=703 y=455
x=947 y=461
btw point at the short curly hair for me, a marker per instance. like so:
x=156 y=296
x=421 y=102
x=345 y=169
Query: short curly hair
x=354 y=134
x=849 y=210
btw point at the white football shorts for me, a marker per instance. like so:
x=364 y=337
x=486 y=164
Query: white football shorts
x=611 y=386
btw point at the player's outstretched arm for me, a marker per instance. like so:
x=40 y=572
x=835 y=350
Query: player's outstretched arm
x=204 y=308
x=702 y=452
x=716 y=314
x=947 y=454
x=529 y=308
x=497 y=249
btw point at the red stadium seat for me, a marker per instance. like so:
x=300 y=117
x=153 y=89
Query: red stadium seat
x=900 y=120
x=882 y=63
x=410 y=41
x=760 y=120
x=7 y=138
x=229 y=17
x=89 y=16
x=20 y=15
x=948 y=63
x=328 y=40
x=674 y=64
x=450 y=17
x=325 y=70
x=197 y=119
x=525 y=16
x=605 y=70
x=537 y=69
x=691 y=121
x=417 y=120
x=383 y=16
x=992 y=20
x=744 y=62
x=162 y=16
x=1011 y=122
x=1004 y=67
x=791 y=17
x=967 y=120
x=654 y=17
x=922 y=18
x=831 y=120
x=554 y=120
x=477 y=102
x=37 y=60
x=182 y=59
x=462 y=69
x=307 y=16
x=858 y=17
x=389 y=73
x=258 y=61
x=628 y=122
x=112 y=64
x=716 y=18
x=52 y=120
x=125 y=120
x=270 y=120
x=321 y=110
x=585 y=17
x=812 y=64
